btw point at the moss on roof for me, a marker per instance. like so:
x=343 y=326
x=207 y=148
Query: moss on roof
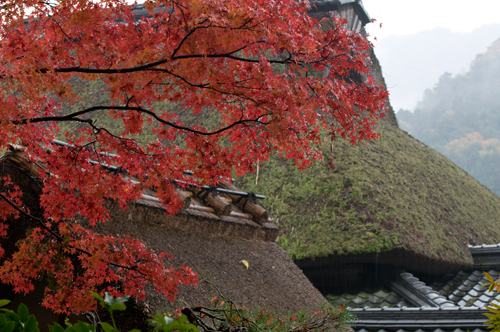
x=391 y=193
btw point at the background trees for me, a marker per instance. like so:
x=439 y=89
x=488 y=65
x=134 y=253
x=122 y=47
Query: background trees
x=459 y=117
x=253 y=65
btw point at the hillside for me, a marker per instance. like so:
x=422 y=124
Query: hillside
x=460 y=118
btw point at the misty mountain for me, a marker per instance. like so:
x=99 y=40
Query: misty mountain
x=413 y=63
x=460 y=117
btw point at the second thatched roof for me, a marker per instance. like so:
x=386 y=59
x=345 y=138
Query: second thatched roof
x=394 y=199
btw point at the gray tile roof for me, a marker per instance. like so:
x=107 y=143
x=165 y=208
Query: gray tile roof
x=486 y=256
x=341 y=6
x=471 y=292
x=420 y=319
x=409 y=304
x=433 y=330
x=418 y=293
x=382 y=297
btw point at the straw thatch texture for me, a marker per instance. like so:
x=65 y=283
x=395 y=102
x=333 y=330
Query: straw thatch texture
x=272 y=279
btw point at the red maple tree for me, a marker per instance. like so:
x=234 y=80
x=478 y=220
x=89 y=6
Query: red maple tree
x=276 y=78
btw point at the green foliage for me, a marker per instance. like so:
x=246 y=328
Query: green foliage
x=460 y=118
x=111 y=304
x=224 y=315
x=166 y=323
x=78 y=327
x=21 y=321
x=494 y=316
x=24 y=322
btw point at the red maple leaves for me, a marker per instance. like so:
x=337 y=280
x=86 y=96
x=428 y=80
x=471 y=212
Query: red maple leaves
x=275 y=78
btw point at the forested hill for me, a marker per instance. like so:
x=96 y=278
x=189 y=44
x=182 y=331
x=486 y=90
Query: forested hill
x=460 y=117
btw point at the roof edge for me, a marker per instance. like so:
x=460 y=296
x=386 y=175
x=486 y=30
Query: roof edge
x=419 y=318
x=398 y=257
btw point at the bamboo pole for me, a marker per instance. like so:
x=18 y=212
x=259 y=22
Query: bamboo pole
x=185 y=198
x=259 y=214
x=220 y=206
x=201 y=208
x=241 y=215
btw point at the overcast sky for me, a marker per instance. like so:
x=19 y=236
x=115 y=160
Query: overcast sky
x=402 y=17
x=411 y=63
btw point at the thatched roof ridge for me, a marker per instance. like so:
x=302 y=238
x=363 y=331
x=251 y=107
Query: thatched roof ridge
x=200 y=216
x=15 y=155
x=242 y=217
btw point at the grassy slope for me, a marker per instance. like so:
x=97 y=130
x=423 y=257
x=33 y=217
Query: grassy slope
x=393 y=192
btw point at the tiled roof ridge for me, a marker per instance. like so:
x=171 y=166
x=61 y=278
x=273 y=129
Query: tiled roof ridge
x=418 y=309
x=484 y=247
x=419 y=319
x=485 y=256
x=417 y=292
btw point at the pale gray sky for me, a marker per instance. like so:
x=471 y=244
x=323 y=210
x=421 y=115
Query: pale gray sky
x=402 y=17
x=414 y=54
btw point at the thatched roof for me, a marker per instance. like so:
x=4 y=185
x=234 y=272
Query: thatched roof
x=391 y=201
x=272 y=279
x=210 y=239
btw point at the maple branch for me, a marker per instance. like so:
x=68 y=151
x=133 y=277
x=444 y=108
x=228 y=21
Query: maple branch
x=180 y=77
x=207 y=86
x=24 y=121
x=183 y=40
x=182 y=8
x=60 y=27
x=149 y=66
x=230 y=55
x=59 y=238
x=73 y=117
x=136 y=148
x=40 y=221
